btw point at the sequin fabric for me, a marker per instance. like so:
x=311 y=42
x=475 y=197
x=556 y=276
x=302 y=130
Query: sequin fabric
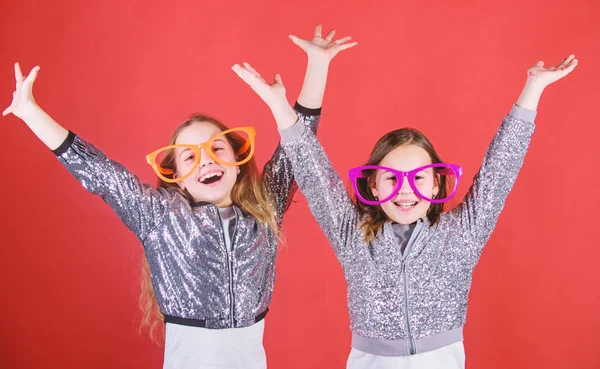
x=193 y=274
x=440 y=263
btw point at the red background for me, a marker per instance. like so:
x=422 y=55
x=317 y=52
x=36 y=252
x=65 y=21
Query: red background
x=122 y=74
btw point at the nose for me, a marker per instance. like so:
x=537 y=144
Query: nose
x=405 y=189
x=205 y=159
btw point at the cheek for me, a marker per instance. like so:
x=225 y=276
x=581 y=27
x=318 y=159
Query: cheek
x=388 y=207
x=189 y=181
x=385 y=187
x=226 y=155
x=231 y=176
x=184 y=167
x=424 y=205
x=425 y=186
x=428 y=189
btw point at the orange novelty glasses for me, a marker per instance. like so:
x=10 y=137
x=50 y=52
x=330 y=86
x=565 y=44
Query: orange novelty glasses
x=231 y=147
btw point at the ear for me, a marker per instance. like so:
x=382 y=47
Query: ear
x=238 y=170
x=373 y=189
x=180 y=183
x=436 y=185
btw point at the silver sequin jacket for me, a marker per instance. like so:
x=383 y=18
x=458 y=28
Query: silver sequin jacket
x=193 y=274
x=406 y=304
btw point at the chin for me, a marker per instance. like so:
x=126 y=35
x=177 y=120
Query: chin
x=402 y=217
x=406 y=220
x=213 y=199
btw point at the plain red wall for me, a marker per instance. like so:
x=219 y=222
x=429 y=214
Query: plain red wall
x=122 y=74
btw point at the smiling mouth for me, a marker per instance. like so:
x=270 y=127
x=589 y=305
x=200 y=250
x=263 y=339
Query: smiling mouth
x=211 y=178
x=405 y=205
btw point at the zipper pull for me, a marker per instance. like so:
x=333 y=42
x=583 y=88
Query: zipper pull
x=412 y=348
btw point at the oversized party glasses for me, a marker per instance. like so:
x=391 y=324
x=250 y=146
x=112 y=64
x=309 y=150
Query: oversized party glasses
x=421 y=180
x=218 y=148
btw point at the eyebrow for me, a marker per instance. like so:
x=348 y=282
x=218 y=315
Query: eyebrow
x=385 y=171
x=184 y=151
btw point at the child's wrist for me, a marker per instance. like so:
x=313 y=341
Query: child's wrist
x=29 y=110
x=534 y=85
x=279 y=106
x=318 y=62
x=285 y=116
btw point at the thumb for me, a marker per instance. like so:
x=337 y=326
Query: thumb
x=33 y=74
x=298 y=41
x=9 y=109
x=277 y=79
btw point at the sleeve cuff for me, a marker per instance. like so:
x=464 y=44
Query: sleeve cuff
x=523 y=114
x=292 y=133
x=306 y=111
x=65 y=145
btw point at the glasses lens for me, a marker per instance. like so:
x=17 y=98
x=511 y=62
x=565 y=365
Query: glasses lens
x=442 y=176
x=384 y=182
x=232 y=148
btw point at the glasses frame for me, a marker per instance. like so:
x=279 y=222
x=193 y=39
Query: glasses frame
x=196 y=148
x=355 y=173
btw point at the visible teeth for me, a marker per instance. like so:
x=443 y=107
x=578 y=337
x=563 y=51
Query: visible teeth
x=210 y=175
x=406 y=204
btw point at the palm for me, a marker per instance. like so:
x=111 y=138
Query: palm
x=547 y=76
x=23 y=94
x=324 y=48
x=265 y=88
x=270 y=93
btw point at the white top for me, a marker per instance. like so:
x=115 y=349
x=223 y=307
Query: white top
x=447 y=357
x=228 y=220
x=200 y=348
x=231 y=348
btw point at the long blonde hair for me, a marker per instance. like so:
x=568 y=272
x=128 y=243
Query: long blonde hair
x=249 y=193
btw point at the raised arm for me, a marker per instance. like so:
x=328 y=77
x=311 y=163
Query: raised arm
x=278 y=173
x=481 y=207
x=139 y=206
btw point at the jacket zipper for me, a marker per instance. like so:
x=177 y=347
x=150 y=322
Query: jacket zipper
x=411 y=346
x=230 y=267
x=416 y=232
